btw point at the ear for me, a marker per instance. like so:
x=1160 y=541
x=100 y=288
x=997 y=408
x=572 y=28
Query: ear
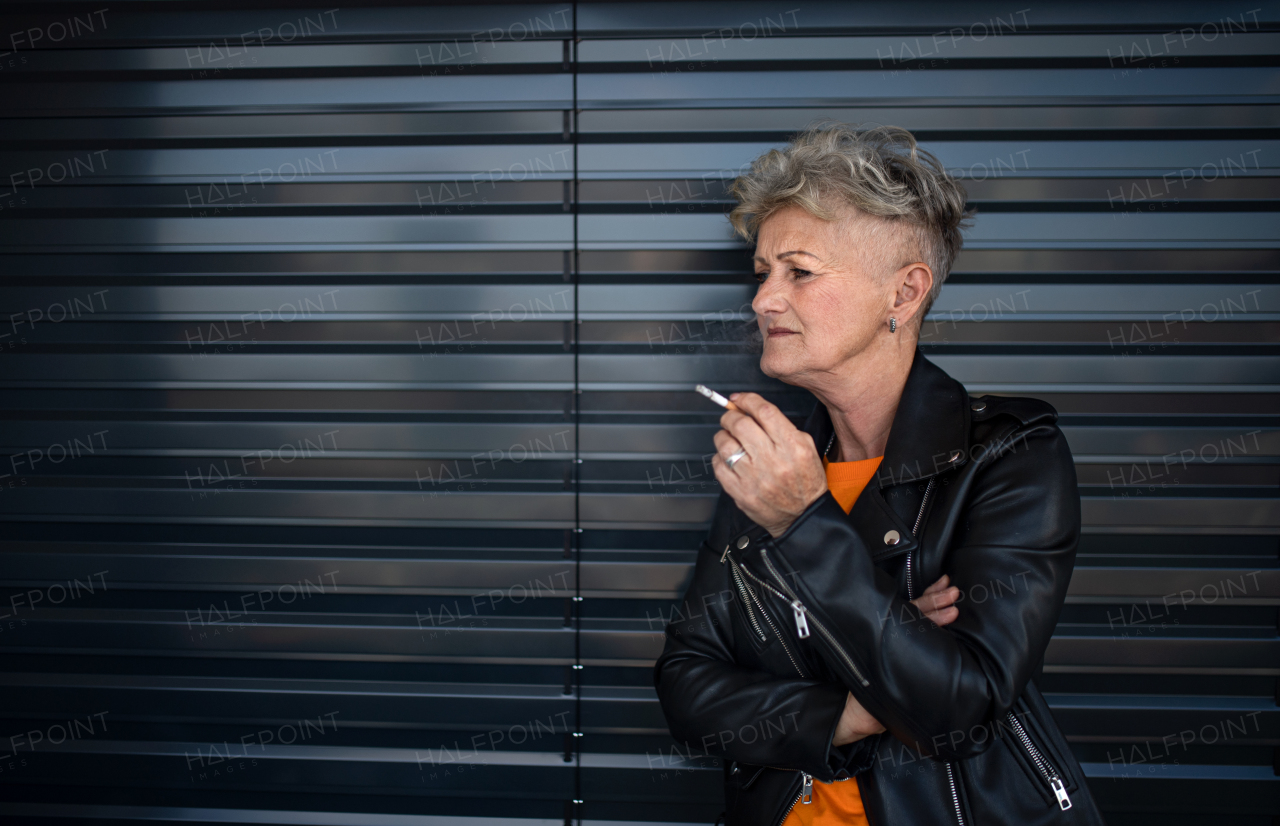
x=914 y=282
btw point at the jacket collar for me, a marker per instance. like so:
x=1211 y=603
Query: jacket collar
x=930 y=431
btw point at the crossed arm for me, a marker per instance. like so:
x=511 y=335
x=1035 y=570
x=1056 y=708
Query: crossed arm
x=779 y=478
x=937 y=603
x=742 y=713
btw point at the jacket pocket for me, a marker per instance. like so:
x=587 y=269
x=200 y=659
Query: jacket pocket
x=747 y=585
x=803 y=619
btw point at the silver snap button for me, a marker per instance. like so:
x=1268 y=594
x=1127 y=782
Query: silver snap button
x=978 y=407
x=892 y=538
x=743 y=542
x=955 y=456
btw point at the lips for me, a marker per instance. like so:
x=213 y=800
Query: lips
x=778 y=332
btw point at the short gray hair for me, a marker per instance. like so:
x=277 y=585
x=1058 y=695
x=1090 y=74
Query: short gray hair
x=880 y=171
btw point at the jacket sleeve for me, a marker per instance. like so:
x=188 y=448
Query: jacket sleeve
x=1012 y=549
x=714 y=705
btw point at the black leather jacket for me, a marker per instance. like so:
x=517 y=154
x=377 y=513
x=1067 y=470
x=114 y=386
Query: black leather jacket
x=773 y=632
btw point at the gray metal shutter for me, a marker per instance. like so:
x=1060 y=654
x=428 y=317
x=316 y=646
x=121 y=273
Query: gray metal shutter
x=350 y=464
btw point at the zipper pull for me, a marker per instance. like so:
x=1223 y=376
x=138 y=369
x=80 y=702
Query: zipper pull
x=802 y=619
x=1060 y=792
x=723 y=555
x=806 y=789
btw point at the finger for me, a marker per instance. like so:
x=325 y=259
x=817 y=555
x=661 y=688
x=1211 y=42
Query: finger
x=944 y=617
x=726 y=448
x=939 y=600
x=947 y=598
x=747 y=431
x=929 y=602
x=771 y=419
x=937 y=586
x=729 y=480
x=726 y=445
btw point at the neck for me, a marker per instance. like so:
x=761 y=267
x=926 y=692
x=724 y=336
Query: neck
x=862 y=397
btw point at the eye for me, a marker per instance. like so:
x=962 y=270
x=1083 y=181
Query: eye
x=761 y=276
x=799 y=273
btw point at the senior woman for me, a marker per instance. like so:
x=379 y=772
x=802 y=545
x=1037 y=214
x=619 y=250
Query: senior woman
x=836 y=688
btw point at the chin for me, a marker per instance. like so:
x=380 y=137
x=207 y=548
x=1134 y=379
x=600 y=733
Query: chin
x=776 y=367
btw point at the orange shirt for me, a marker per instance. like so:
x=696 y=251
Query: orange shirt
x=839 y=802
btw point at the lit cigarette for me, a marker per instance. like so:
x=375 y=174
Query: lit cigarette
x=715 y=397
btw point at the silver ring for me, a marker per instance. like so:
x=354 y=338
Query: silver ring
x=734 y=459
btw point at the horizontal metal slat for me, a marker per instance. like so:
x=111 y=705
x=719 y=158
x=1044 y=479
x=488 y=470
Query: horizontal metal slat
x=490 y=372
x=974 y=86
x=202 y=441
x=942 y=117
x=631 y=19
x=295 y=636
x=286 y=234
x=772 y=44
x=242 y=172
x=292 y=817
x=256 y=52
x=424 y=93
x=251 y=305
x=1023 y=158
x=242 y=504
x=130 y=27
x=178 y=129
x=481 y=573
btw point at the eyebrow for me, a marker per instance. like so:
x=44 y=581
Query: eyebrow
x=782 y=255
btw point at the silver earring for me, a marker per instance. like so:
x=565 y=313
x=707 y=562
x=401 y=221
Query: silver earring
x=893 y=325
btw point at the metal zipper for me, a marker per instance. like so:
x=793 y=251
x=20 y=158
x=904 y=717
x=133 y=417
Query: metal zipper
x=1046 y=769
x=795 y=661
x=803 y=620
x=746 y=602
x=955 y=795
x=806 y=794
x=911 y=587
x=928 y=490
x=915 y=529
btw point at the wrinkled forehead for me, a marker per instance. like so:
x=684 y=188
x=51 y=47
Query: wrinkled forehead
x=851 y=238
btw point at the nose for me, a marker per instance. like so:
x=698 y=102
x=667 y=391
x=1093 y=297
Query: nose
x=770 y=297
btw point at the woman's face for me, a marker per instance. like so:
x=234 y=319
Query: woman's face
x=826 y=291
